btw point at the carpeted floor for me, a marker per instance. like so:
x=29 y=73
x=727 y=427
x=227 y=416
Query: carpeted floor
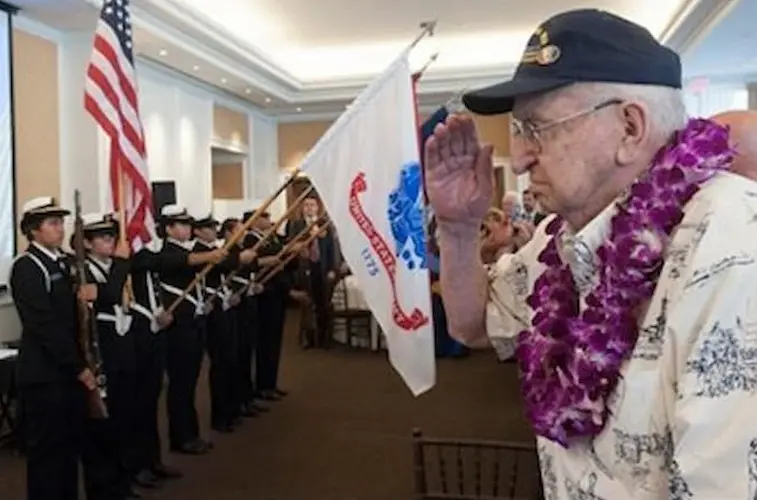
x=343 y=433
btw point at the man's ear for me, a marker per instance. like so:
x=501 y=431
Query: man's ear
x=636 y=130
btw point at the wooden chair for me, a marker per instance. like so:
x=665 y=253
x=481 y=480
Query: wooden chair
x=453 y=469
x=8 y=403
x=357 y=322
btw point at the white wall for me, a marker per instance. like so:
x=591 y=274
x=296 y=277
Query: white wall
x=79 y=145
x=178 y=121
x=263 y=169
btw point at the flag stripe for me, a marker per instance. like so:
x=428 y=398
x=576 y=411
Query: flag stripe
x=110 y=97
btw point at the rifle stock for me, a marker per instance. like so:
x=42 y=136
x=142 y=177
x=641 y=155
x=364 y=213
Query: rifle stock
x=272 y=271
x=87 y=337
x=262 y=241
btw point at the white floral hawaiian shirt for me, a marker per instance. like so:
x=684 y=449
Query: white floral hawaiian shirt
x=684 y=416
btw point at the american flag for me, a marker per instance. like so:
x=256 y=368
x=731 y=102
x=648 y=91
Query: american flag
x=111 y=98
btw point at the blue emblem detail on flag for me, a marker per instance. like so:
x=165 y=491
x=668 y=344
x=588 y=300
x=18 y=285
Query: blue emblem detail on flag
x=406 y=217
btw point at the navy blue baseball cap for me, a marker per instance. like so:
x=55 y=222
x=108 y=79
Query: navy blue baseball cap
x=583 y=45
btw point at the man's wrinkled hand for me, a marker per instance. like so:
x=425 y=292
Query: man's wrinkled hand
x=459 y=174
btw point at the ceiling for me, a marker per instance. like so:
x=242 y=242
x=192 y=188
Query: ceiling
x=298 y=58
x=730 y=49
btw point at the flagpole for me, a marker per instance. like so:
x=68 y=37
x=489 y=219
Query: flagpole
x=270 y=232
x=456 y=97
x=428 y=28
x=235 y=237
x=430 y=61
x=127 y=293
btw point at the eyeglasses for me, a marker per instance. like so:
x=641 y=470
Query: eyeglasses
x=531 y=132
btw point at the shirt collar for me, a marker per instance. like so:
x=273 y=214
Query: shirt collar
x=54 y=255
x=187 y=245
x=579 y=249
x=103 y=263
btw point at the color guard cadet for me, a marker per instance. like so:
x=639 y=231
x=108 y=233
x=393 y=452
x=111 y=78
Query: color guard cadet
x=221 y=332
x=186 y=335
x=272 y=302
x=105 y=472
x=149 y=320
x=52 y=376
x=241 y=313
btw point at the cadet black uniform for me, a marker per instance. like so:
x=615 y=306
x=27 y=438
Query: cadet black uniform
x=49 y=361
x=241 y=314
x=249 y=332
x=186 y=340
x=272 y=302
x=151 y=345
x=105 y=473
x=221 y=337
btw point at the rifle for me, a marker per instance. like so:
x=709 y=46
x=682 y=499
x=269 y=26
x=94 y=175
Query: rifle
x=271 y=271
x=88 y=338
x=286 y=250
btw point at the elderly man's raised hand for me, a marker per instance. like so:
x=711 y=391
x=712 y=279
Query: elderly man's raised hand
x=459 y=173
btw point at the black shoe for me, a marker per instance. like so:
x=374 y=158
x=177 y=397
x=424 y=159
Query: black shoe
x=194 y=447
x=259 y=408
x=164 y=471
x=249 y=411
x=270 y=396
x=223 y=428
x=132 y=495
x=147 y=479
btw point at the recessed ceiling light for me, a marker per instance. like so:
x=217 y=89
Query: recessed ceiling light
x=163 y=52
x=299 y=110
x=224 y=80
x=248 y=91
x=267 y=100
x=196 y=68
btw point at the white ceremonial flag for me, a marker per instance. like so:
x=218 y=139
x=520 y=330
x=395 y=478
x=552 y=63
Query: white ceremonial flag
x=367 y=171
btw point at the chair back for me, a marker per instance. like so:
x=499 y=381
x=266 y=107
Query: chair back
x=456 y=469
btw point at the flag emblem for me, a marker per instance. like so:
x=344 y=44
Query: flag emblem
x=402 y=214
x=405 y=211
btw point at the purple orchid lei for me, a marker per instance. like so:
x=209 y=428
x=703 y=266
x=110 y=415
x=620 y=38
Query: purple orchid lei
x=570 y=361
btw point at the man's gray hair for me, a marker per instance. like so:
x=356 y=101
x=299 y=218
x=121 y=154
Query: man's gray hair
x=666 y=106
x=511 y=196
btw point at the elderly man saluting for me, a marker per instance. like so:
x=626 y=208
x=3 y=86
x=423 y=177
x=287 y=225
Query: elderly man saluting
x=636 y=302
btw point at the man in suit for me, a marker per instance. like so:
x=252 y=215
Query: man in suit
x=322 y=267
x=531 y=208
x=52 y=376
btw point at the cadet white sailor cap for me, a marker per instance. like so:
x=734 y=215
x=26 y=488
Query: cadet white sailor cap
x=175 y=213
x=44 y=206
x=98 y=221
